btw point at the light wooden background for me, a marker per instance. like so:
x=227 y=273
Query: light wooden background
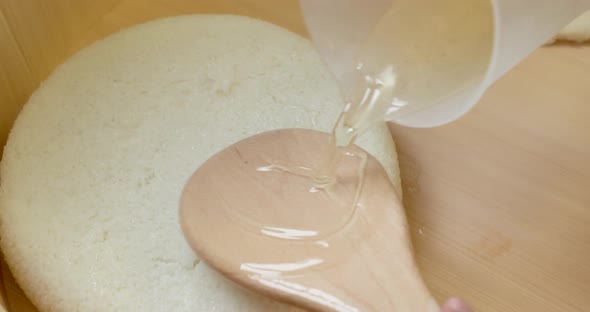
x=498 y=202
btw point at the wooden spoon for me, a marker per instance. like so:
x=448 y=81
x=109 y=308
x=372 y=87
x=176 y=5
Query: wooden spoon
x=344 y=248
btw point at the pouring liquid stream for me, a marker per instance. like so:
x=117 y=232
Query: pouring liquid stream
x=352 y=122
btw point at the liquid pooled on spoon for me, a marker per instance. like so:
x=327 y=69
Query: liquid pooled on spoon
x=418 y=54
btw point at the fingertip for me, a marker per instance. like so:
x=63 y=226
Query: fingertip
x=456 y=305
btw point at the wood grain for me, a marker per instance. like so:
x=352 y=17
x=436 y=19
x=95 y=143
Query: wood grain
x=498 y=201
x=501 y=196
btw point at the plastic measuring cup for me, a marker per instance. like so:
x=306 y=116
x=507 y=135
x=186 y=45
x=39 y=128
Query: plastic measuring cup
x=340 y=30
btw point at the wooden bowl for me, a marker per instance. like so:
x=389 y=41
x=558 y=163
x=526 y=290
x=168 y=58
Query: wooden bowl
x=498 y=202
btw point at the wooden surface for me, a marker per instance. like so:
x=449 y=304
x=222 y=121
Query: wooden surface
x=264 y=229
x=498 y=202
x=35 y=36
